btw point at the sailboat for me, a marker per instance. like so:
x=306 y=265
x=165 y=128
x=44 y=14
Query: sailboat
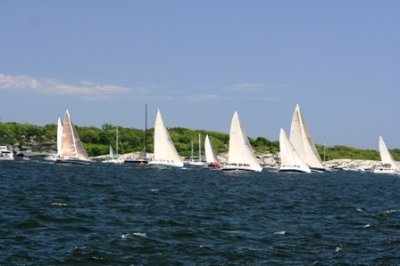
x=114 y=157
x=387 y=165
x=164 y=149
x=70 y=147
x=301 y=139
x=291 y=161
x=211 y=158
x=193 y=161
x=240 y=154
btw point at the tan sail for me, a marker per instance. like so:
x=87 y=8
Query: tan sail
x=71 y=145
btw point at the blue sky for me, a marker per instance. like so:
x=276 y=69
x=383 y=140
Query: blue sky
x=199 y=61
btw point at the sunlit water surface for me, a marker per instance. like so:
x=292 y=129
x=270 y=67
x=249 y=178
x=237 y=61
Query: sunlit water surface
x=101 y=214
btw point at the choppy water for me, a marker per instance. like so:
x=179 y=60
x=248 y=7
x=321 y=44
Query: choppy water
x=126 y=215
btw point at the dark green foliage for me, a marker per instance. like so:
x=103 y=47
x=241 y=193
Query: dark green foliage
x=97 y=140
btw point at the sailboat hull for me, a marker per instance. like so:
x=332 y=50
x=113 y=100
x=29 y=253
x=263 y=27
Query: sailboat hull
x=240 y=167
x=293 y=168
x=165 y=163
x=71 y=161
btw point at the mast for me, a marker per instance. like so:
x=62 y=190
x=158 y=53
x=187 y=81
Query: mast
x=199 y=147
x=116 y=140
x=191 y=143
x=145 y=129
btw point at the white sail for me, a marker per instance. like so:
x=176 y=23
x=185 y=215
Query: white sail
x=164 y=149
x=210 y=155
x=111 y=152
x=301 y=139
x=388 y=165
x=71 y=145
x=59 y=136
x=240 y=154
x=211 y=158
x=290 y=159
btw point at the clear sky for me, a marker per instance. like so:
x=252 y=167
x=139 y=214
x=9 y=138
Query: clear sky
x=199 y=61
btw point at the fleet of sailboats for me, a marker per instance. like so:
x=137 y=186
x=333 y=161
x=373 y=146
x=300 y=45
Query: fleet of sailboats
x=297 y=153
x=70 y=147
x=387 y=165
x=164 y=149
x=240 y=154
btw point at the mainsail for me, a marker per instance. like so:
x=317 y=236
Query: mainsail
x=59 y=136
x=71 y=145
x=290 y=159
x=386 y=158
x=240 y=154
x=301 y=139
x=164 y=149
x=210 y=154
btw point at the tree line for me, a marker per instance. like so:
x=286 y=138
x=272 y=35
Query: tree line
x=97 y=141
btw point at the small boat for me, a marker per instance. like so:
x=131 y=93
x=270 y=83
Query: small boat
x=211 y=158
x=387 y=165
x=301 y=140
x=70 y=147
x=6 y=154
x=240 y=154
x=165 y=153
x=114 y=157
x=290 y=160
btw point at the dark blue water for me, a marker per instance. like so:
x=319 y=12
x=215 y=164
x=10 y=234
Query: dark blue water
x=126 y=215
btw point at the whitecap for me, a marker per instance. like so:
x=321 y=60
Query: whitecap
x=280 y=233
x=59 y=204
x=390 y=211
x=133 y=235
x=142 y=235
x=154 y=190
x=360 y=210
x=366 y=226
x=338 y=249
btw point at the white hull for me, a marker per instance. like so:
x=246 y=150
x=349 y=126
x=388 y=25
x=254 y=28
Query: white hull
x=165 y=163
x=195 y=163
x=293 y=168
x=240 y=167
x=384 y=170
x=72 y=160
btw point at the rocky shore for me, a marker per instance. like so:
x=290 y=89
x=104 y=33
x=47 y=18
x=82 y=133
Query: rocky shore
x=266 y=160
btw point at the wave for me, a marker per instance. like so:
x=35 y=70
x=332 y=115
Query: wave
x=133 y=235
x=59 y=204
x=280 y=233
